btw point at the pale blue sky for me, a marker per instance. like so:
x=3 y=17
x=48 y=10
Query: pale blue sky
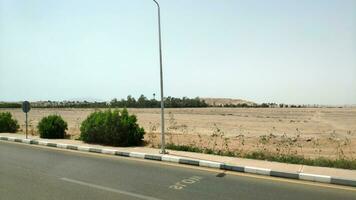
x=294 y=51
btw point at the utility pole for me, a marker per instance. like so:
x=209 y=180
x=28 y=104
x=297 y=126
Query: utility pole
x=163 y=148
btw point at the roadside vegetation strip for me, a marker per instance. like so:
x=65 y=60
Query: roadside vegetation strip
x=341 y=163
x=195 y=162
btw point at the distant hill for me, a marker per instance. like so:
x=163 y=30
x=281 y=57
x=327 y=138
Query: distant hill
x=225 y=101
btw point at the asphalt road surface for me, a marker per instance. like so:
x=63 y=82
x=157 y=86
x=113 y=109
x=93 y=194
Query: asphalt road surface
x=29 y=172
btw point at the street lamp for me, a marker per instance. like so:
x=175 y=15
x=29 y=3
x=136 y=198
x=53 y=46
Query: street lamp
x=163 y=149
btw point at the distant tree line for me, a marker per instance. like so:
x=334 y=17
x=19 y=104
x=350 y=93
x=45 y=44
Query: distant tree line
x=69 y=104
x=169 y=102
x=9 y=105
x=129 y=102
x=144 y=102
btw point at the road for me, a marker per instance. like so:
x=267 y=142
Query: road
x=31 y=172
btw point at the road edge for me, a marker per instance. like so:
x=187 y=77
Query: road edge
x=190 y=161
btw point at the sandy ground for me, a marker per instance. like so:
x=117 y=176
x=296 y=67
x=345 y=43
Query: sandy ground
x=308 y=131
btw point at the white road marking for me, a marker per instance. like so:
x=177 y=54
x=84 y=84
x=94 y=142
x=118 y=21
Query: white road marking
x=139 y=196
x=179 y=185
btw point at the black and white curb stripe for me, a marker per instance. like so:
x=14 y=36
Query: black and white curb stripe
x=195 y=162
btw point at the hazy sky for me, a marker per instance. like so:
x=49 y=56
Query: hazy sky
x=290 y=51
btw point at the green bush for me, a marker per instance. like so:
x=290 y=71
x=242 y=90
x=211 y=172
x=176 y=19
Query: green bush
x=116 y=128
x=52 y=127
x=7 y=124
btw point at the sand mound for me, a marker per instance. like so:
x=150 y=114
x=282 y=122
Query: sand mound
x=224 y=101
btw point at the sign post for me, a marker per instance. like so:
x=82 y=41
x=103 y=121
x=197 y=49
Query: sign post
x=26 y=107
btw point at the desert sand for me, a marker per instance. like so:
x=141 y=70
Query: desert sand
x=311 y=131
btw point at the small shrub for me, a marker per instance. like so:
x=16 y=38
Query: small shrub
x=52 y=127
x=7 y=124
x=116 y=128
x=188 y=148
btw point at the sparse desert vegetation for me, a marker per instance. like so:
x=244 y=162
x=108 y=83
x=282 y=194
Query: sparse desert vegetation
x=307 y=132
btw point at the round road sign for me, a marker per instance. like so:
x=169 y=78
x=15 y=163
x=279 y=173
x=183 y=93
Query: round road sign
x=26 y=106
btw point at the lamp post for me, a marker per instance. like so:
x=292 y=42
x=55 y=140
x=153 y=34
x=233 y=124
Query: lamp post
x=163 y=148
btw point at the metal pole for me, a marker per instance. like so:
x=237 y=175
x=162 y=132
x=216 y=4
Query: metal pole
x=26 y=125
x=163 y=148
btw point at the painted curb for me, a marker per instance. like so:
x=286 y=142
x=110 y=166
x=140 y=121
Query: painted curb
x=188 y=161
x=205 y=163
x=284 y=174
x=257 y=170
x=108 y=151
x=315 y=178
x=153 y=157
x=194 y=162
x=168 y=158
